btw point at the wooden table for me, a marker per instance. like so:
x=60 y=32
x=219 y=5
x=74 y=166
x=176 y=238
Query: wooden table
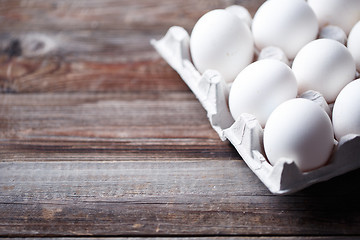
x=100 y=137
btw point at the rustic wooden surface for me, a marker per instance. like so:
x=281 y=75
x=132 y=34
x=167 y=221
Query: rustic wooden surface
x=99 y=137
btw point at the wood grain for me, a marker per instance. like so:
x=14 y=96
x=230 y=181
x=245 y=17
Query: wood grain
x=109 y=14
x=158 y=198
x=67 y=170
x=209 y=237
x=118 y=126
x=96 y=46
x=55 y=75
x=100 y=138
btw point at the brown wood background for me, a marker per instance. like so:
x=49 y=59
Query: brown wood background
x=99 y=137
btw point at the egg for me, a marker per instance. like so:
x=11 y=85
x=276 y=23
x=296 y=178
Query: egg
x=222 y=42
x=333 y=32
x=300 y=130
x=260 y=88
x=272 y=52
x=346 y=111
x=286 y=24
x=353 y=44
x=324 y=65
x=342 y=13
x=242 y=13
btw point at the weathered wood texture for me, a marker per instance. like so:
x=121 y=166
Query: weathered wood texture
x=117 y=126
x=206 y=237
x=87 y=164
x=92 y=45
x=99 y=137
x=158 y=198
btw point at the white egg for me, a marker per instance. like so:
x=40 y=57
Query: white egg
x=286 y=24
x=260 y=88
x=242 y=13
x=222 y=42
x=342 y=13
x=301 y=130
x=333 y=32
x=346 y=111
x=324 y=65
x=353 y=44
x=272 y=52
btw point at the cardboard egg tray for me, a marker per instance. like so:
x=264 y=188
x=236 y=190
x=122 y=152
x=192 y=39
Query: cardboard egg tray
x=246 y=134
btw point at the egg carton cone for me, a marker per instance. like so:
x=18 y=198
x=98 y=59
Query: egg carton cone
x=245 y=133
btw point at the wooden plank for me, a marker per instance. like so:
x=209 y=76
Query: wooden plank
x=104 y=46
x=96 y=61
x=208 y=237
x=93 y=61
x=166 y=198
x=123 y=148
x=66 y=46
x=116 y=150
x=56 y=75
x=108 y=14
x=117 y=126
x=31 y=115
x=37 y=28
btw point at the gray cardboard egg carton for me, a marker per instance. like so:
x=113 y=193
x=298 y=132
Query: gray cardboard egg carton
x=246 y=134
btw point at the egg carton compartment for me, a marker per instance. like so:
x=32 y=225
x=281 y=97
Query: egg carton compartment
x=246 y=134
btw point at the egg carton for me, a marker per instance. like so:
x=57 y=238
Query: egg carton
x=246 y=134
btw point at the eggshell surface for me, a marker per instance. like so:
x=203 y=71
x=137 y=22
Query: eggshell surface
x=342 y=13
x=260 y=88
x=334 y=33
x=221 y=41
x=324 y=65
x=286 y=24
x=300 y=130
x=272 y=52
x=353 y=44
x=242 y=13
x=346 y=111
